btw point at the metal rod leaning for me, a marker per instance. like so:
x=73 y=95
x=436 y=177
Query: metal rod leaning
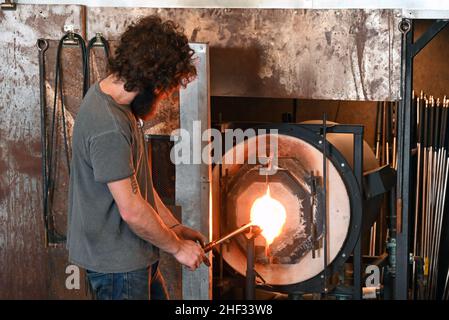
x=42 y=47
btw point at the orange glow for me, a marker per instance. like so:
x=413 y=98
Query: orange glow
x=269 y=215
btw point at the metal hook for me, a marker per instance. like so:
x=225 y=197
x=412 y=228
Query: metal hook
x=98 y=41
x=42 y=44
x=405 y=26
x=70 y=41
x=70 y=33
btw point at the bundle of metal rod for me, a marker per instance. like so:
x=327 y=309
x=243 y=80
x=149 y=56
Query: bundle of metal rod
x=385 y=133
x=385 y=153
x=431 y=184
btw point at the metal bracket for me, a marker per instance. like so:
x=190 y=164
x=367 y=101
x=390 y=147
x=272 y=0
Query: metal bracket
x=431 y=33
x=98 y=42
x=404 y=26
x=8 y=5
x=70 y=31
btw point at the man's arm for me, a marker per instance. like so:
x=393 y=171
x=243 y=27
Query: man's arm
x=167 y=216
x=147 y=224
x=170 y=220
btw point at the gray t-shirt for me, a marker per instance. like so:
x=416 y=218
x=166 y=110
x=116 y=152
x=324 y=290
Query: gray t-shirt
x=108 y=145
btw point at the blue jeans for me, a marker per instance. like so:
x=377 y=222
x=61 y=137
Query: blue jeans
x=141 y=284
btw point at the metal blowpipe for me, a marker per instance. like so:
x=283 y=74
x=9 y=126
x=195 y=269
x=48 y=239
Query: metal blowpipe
x=208 y=247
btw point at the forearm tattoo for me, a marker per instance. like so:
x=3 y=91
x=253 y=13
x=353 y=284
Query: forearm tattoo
x=134 y=184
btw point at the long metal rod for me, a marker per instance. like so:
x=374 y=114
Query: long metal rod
x=441 y=183
x=208 y=247
x=429 y=212
x=42 y=46
x=380 y=226
x=401 y=278
x=438 y=235
x=432 y=169
x=325 y=227
x=250 y=288
x=379 y=137
x=446 y=287
x=441 y=194
x=357 y=255
x=433 y=200
x=424 y=180
x=418 y=177
x=418 y=188
x=403 y=184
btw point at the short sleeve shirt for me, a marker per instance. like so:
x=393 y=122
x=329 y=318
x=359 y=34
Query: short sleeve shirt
x=108 y=145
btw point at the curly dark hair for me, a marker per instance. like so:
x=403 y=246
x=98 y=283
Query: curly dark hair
x=153 y=54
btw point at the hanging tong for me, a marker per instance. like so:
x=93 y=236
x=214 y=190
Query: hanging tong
x=53 y=237
x=97 y=41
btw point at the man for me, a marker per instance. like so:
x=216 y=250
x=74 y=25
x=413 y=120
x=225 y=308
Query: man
x=117 y=221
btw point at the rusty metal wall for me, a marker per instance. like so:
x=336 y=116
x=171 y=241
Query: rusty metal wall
x=312 y=54
x=28 y=269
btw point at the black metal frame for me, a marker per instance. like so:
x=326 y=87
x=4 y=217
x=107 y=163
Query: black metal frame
x=410 y=49
x=353 y=181
x=357 y=132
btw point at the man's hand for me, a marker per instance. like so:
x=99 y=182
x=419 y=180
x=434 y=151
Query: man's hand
x=181 y=231
x=187 y=233
x=190 y=254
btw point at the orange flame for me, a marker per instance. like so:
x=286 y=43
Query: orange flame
x=269 y=215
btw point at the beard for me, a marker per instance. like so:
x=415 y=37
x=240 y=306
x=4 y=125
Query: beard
x=144 y=105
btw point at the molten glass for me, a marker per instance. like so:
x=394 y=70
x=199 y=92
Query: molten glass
x=269 y=215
